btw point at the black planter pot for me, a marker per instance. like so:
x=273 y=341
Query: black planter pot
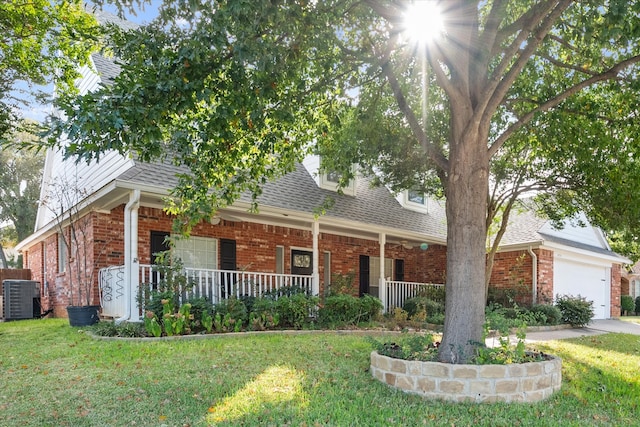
x=85 y=315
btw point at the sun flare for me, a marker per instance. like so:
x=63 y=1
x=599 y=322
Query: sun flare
x=423 y=21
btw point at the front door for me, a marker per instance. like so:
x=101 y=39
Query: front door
x=364 y=274
x=301 y=262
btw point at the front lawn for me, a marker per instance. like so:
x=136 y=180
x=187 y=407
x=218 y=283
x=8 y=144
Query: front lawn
x=55 y=375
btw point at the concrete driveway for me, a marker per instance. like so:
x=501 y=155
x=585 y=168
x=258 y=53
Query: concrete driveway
x=596 y=327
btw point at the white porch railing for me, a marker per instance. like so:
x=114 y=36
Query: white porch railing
x=215 y=285
x=399 y=292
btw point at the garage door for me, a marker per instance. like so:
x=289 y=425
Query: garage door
x=590 y=281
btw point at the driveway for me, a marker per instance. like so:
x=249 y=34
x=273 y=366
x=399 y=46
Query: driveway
x=596 y=327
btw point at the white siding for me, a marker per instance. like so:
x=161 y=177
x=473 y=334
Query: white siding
x=588 y=235
x=312 y=165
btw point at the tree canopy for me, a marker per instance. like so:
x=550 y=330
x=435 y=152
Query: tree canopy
x=41 y=43
x=510 y=97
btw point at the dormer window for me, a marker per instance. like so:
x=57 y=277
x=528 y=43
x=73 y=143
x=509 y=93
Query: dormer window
x=328 y=180
x=414 y=199
x=331 y=180
x=415 y=196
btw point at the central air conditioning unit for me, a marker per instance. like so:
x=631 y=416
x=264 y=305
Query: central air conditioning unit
x=21 y=299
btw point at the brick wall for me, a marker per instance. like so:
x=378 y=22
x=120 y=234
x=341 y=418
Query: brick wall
x=545 y=276
x=512 y=271
x=616 y=274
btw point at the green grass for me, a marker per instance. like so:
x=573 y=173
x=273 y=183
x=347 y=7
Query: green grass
x=55 y=375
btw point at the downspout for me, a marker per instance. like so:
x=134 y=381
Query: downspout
x=130 y=255
x=315 y=279
x=534 y=272
x=382 y=281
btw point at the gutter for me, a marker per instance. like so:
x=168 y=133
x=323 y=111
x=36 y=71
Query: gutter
x=130 y=254
x=534 y=273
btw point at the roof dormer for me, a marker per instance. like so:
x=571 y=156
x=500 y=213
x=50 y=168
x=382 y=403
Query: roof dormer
x=328 y=180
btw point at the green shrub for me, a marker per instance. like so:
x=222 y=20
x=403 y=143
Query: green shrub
x=264 y=315
x=341 y=284
x=434 y=293
x=295 y=310
x=371 y=307
x=341 y=309
x=638 y=305
x=284 y=291
x=576 y=311
x=552 y=314
x=626 y=304
x=230 y=315
x=199 y=306
x=420 y=303
x=408 y=347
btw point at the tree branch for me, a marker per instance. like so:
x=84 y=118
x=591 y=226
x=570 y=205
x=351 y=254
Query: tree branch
x=551 y=103
x=500 y=86
x=430 y=149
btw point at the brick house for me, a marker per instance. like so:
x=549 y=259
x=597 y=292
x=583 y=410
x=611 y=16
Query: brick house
x=392 y=244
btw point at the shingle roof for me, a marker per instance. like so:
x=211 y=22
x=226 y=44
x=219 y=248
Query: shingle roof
x=107 y=69
x=298 y=191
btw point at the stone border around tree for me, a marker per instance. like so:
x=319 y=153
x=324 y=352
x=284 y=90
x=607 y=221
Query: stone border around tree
x=517 y=382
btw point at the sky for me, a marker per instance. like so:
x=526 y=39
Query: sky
x=39 y=112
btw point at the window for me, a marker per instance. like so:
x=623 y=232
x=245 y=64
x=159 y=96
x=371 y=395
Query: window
x=374 y=273
x=279 y=259
x=197 y=252
x=331 y=179
x=62 y=254
x=327 y=269
x=415 y=196
x=413 y=199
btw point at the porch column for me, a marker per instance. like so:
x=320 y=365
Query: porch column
x=315 y=277
x=382 y=282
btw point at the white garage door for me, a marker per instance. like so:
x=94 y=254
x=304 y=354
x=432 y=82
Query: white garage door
x=590 y=281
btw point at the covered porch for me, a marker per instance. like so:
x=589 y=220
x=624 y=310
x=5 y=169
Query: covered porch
x=116 y=297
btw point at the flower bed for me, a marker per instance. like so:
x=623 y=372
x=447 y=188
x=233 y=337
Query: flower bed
x=517 y=382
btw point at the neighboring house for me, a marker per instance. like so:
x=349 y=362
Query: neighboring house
x=393 y=244
x=631 y=281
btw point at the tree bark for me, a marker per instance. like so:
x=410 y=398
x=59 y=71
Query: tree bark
x=466 y=190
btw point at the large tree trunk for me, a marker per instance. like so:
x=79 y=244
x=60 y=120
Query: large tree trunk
x=466 y=192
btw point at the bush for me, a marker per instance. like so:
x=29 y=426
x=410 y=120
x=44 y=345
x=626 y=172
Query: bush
x=638 y=305
x=154 y=301
x=230 y=315
x=198 y=307
x=576 y=311
x=343 y=309
x=551 y=312
x=285 y=291
x=434 y=293
x=425 y=309
x=626 y=304
x=264 y=315
x=294 y=310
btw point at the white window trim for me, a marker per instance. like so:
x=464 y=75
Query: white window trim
x=333 y=186
x=414 y=206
